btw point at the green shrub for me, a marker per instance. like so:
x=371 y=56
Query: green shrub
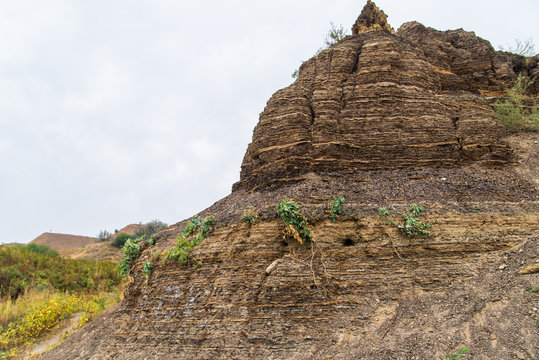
x=130 y=251
x=294 y=221
x=121 y=239
x=103 y=235
x=335 y=207
x=42 y=249
x=512 y=112
x=194 y=232
x=147 y=270
x=411 y=227
x=335 y=34
x=151 y=228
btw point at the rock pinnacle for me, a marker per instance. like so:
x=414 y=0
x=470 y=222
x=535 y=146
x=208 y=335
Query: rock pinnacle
x=371 y=19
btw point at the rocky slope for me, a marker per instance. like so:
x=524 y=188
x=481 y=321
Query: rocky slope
x=383 y=119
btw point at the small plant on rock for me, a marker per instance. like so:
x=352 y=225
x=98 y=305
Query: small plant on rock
x=194 y=232
x=294 y=221
x=147 y=270
x=250 y=215
x=461 y=353
x=335 y=207
x=412 y=226
x=130 y=251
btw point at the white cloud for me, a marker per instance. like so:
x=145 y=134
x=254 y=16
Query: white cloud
x=127 y=111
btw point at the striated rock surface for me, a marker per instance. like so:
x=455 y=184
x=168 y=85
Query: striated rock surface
x=379 y=100
x=382 y=119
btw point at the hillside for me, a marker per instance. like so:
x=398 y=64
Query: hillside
x=384 y=119
x=61 y=242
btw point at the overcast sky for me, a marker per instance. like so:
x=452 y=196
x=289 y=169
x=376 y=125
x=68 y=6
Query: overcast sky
x=124 y=111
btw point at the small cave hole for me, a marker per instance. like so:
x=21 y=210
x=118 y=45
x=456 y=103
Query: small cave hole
x=348 y=242
x=284 y=243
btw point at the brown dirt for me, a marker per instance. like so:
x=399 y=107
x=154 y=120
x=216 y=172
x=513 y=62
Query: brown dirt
x=62 y=242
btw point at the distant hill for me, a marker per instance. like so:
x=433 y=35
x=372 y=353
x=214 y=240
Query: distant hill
x=79 y=247
x=62 y=242
x=130 y=229
x=96 y=251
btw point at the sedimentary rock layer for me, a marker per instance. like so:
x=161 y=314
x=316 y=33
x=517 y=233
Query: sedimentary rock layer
x=378 y=100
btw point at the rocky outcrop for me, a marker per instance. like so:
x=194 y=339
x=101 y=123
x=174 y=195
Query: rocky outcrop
x=371 y=19
x=379 y=100
x=382 y=119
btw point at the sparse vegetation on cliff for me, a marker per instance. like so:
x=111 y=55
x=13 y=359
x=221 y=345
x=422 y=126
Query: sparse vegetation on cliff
x=513 y=112
x=412 y=226
x=294 y=221
x=130 y=251
x=335 y=207
x=186 y=241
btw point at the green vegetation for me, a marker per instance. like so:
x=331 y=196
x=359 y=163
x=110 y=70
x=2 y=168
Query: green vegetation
x=411 y=227
x=194 y=232
x=151 y=228
x=147 y=270
x=41 y=249
x=38 y=289
x=23 y=268
x=43 y=315
x=335 y=34
x=532 y=290
x=461 y=353
x=294 y=221
x=104 y=235
x=513 y=113
x=250 y=215
x=120 y=240
x=335 y=207
x=130 y=251
x=150 y=241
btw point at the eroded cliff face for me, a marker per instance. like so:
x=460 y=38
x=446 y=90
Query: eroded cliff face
x=379 y=100
x=382 y=119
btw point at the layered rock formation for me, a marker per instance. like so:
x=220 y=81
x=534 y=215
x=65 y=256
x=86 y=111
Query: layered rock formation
x=382 y=119
x=382 y=101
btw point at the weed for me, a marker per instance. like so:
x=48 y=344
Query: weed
x=187 y=240
x=250 y=215
x=461 y=353
x=412 y=226
x=335 y=207
x=130 y=250
x=335 y=34
x=147 y=270
x=295 y=222
x=512 y=112
x=150 y=241
x=532 y=290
